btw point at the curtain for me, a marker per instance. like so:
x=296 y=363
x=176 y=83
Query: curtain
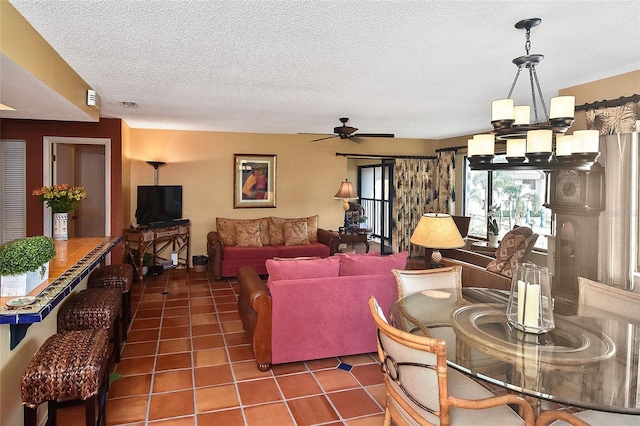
x=618 y=147
x=422 y=185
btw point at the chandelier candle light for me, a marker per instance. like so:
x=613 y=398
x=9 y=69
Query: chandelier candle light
x=61 y=199
x=533 y=143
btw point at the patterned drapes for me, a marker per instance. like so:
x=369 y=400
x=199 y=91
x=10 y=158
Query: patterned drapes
x=612 y=120
x=422 y=185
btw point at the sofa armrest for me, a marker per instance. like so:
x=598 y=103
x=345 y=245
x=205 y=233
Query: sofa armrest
x=254 y=307
x=329 y=238
x=215 y=248
x=477 y=276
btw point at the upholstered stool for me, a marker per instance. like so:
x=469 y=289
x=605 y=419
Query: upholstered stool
x=120 y=277
x=93 y=308
x=71 y=365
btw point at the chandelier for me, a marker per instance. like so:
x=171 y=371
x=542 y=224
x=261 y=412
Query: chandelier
x=542 y=144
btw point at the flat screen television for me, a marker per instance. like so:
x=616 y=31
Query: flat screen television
x=158 y=203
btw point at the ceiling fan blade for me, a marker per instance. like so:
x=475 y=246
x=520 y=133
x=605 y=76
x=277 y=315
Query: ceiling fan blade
x=375 y=135
x=346 y=130
x=305 y=133
x=356 y=139
x=321 y=139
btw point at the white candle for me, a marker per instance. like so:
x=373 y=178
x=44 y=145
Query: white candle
x=528 y=304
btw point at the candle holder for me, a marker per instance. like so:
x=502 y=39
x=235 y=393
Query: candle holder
x=530 y=306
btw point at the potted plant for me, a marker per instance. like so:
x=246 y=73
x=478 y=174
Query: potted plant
x=24 y=264
x=493 y=230
x=61 y=199
x=363 y=221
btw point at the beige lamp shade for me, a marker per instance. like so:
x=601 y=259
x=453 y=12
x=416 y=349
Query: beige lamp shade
x=437 y=231
x=346 y=193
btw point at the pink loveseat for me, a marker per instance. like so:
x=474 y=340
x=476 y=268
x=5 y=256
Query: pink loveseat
x=315 y=308
x=250 y=242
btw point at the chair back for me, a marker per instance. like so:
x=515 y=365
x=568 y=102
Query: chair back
x=596 y=298
x=415 y=369
x=417 y=383
x=410 y=281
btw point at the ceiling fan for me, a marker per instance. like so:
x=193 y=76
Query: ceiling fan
x=348 y=132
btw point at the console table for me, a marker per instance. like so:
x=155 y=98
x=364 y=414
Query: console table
x=357 y=238
x=161 y=240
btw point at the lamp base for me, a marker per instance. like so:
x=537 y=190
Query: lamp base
x=436 y=259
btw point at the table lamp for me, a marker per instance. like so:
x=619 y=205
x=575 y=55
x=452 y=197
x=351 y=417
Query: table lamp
x=346 y=193
x=437 y=231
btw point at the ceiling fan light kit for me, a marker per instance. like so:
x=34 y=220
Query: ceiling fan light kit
x=532 y=145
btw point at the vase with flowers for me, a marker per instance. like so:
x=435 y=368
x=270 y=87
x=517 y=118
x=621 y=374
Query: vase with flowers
x=61 y=199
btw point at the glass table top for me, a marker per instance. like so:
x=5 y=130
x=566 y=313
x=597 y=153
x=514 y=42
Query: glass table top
x=590 y=362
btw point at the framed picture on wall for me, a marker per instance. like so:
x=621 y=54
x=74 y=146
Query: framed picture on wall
x=254 y=181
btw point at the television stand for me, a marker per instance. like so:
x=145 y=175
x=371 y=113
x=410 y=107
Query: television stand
x=161 y=241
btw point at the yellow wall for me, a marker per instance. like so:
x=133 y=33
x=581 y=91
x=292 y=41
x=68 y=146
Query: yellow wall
x=307 y=174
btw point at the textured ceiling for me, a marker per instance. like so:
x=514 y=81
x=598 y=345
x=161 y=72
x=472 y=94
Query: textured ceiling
x=419 y=69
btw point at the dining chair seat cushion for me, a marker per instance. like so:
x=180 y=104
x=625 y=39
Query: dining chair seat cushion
x=601 y=418
x=410 y=281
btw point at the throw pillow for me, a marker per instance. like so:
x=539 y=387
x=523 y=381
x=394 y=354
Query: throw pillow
x=226 y=230
x=295 y=233
x=359 y=264
x=276 y=231
x=248 y=234
x=312 y=228
x=264 y=231
x=305 y=268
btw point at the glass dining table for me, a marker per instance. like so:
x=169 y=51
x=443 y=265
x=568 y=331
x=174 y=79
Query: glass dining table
x=590 y=362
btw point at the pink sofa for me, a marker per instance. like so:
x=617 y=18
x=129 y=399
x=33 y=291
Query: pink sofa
x=315 y=308
x=250 y=242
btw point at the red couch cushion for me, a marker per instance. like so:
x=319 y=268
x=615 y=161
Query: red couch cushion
x=306 y=250
x=302 y=268
x=359 y=264
x=235 y=252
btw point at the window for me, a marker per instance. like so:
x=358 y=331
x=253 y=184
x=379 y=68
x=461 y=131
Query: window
x=516 y=197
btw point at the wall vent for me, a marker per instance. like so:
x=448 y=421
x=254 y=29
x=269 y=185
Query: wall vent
x=129 y=104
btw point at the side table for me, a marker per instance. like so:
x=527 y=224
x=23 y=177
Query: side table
x=358 y=238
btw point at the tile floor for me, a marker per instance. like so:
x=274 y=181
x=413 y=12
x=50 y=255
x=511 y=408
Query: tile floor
x=187 y=361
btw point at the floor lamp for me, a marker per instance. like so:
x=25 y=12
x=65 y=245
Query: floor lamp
x=437 y=231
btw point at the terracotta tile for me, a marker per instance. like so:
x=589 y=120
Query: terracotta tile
x=212 y=375
x=234 y=339
x=247 y=370
x=199 y=293
x=139 y=349
x=143 y=335
x=201 y=301
x=215 y=398
x=176 y=321
x=130 y=385
x=353 y=403
x=172 y=380
x=149 y=313
x=139 y=365
x=181 y=421
x=208 y=342
x=174 y=345
x=375 y=420
x=297 y=385
x=225 y=417
x=268 y=414
x=358 y=359
x=140 y=324
x=240 y=353
x=225 y=298
x=175 y=332
x=205 y=357
x=173 y=361
x=333 y=380
x=177 y=303
x=204 y=309
x=171 y=404
x=379 y=393
x=175 y=312
x=232 y=327
x=368 y=374
x=199 y=319
x=127 y=410
x=229 y=316
x=288 y=368
x=258 y=391
x=321 y=364
x=71 y=416
x=201 y=330
x=312 y=410
x=227 y=307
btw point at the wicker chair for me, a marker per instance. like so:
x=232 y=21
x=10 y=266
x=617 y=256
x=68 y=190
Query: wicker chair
x=598 y=298
x=411 y=281
x=418 y=382
x=585 y=418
